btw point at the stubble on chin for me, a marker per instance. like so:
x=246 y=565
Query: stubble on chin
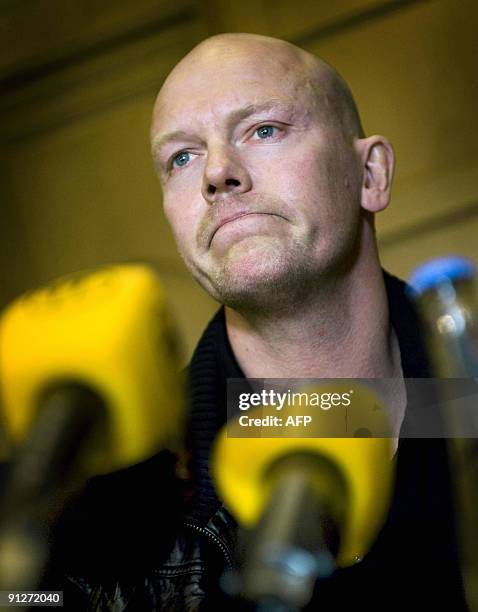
x=261 y=275
x=245 y=274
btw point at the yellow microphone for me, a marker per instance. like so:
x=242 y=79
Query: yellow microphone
x=110 y=331
x=89 y=382
x=312 y=494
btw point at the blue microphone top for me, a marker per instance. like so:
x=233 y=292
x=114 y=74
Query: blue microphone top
x=443 y=269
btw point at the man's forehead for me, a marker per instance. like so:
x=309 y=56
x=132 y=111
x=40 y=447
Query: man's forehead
x=232 y=74
x=227 y=95
x=234 y=97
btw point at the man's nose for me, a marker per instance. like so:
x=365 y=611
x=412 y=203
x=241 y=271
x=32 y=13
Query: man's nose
x=224 y=174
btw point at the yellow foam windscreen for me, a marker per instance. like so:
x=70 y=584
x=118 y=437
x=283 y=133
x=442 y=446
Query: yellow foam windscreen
x=111 y=330
x=241 y=464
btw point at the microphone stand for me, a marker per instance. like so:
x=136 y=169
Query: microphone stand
x=40 y=477
x=297 y=538
x=445 y=290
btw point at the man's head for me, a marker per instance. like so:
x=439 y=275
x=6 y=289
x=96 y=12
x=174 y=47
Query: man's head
x=268 y=182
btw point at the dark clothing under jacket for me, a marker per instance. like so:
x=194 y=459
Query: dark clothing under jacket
x=128 y=544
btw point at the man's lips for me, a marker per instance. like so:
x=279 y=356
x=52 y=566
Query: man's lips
x=227 y=219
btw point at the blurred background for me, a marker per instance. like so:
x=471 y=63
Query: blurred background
x=78 y=79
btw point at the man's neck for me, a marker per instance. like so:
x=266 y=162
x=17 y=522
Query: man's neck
x=346 y=333
x=343 y=332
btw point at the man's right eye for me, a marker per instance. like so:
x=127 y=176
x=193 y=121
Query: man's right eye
x=180 y=160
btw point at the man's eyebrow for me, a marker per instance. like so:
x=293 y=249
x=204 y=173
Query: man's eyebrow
x=233 y=117
x=159 y=142
x=253 y=109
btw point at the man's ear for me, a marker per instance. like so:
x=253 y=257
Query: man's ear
x=378 y=163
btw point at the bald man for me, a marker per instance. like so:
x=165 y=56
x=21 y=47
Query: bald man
x=271 y=188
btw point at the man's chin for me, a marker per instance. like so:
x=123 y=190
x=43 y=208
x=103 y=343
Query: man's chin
x=258 y=279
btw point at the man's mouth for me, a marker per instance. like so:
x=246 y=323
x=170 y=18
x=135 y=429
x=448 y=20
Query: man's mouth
x=228 y=219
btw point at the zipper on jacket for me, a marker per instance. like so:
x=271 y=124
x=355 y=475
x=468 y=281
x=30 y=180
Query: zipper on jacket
x=216 y=539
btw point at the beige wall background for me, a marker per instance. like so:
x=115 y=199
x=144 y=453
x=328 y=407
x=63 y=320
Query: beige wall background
x=78 y=79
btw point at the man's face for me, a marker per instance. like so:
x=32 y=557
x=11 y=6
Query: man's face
x=260 y=185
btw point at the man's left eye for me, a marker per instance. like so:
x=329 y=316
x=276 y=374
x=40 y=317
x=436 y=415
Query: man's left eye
x=266 y=131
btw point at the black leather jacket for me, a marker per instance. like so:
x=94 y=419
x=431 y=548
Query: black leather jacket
x=159 y=557
x=180 y=583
